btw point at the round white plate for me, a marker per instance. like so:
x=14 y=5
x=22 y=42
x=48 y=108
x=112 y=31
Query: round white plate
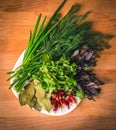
x=59 y=112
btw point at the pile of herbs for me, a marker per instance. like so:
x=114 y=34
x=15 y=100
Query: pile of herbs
x=60 y=55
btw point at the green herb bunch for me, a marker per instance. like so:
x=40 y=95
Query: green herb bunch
x=61 y=36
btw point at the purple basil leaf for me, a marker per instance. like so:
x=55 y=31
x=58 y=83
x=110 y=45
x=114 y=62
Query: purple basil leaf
x=92 y=85
x=88 y=55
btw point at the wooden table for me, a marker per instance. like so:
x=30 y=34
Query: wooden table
x=17 y=17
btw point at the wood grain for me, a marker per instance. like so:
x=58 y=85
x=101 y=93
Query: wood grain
x=17 y=17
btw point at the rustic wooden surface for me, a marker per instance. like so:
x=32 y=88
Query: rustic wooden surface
x=17 y=17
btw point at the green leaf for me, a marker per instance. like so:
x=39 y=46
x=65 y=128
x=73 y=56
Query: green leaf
x=80 y=94
x=85 y=15
x=74 y=9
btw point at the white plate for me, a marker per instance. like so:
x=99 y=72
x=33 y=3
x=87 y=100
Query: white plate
x=59 y=112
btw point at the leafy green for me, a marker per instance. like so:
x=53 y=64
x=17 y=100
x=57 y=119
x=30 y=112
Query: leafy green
x=56 y=75
x=80 y=94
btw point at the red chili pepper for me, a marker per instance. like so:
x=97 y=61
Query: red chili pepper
x=67 y=104
x=72 y=98
x=63 y=101
x=55 y=108
x=59 y=104
x=69 y=100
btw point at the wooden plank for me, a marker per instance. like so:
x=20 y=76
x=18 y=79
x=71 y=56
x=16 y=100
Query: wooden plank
x=24 y=5
x=13 y=46
x=27 y=123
